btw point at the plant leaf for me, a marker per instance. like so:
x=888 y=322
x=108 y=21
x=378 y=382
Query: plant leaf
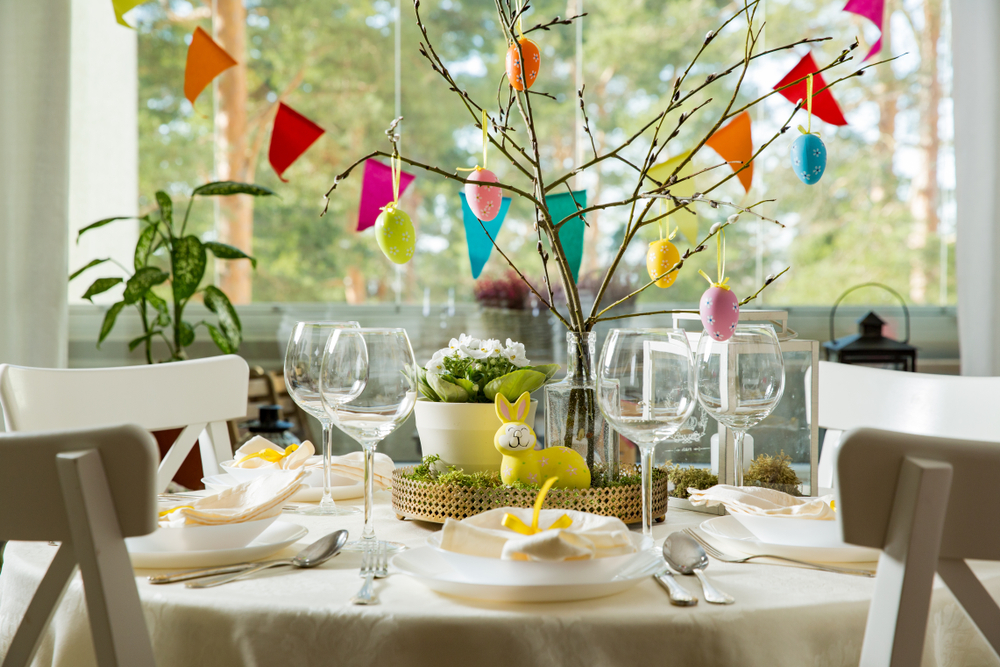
x=514 y=384
x=136 y=342
x=166 y=207
x=186 y=334
x=162 y=310
x=138 y=285
x=144 y=246
x=100 y=285
x=220 y=340
x=217 y=302
x=448 y=391
x=548 y=369
x=223 y=251
x=109 y=321
x=93 y=262
x=470 y=388
x=101 y=223
x=223 y=188
x=188 y=261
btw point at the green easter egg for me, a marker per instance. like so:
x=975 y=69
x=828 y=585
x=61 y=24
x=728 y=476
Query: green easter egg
x=395 y=235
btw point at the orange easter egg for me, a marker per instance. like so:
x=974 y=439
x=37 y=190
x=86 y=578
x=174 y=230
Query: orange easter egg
x=532 y=57
x=662 y=255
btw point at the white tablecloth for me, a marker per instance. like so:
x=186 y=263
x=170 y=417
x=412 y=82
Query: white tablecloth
x=783 y=616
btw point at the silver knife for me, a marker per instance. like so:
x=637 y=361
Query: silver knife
x=678 y=594
x=195 y=574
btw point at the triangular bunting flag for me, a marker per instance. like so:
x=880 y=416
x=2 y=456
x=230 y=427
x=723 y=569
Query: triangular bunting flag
x=686 y=221
x=825 y=107
x=122 y=7
x=570 y=234
x=376 y=191
x=734 y=143
x=480 y=245
x=874 y=11
x=291 y=136
x=205 y=61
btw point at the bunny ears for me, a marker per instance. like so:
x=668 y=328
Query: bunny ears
x=512 y=413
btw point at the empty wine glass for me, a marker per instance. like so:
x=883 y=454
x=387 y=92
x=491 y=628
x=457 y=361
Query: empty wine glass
x=303 y=367
x=740 y=381
x=385 y=403
x=645 y=389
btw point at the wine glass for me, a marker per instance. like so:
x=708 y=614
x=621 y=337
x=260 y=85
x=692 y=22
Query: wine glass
x=645 y=389
x=303 y=367
x=385 y=403
x=740 y=381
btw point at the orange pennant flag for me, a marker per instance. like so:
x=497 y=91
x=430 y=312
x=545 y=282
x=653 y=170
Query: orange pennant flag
x=205 y=61
x=734 y=143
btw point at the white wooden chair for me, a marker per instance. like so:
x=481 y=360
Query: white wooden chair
x=198 y=395
x=929 y=503
x=967 y=408
x=87 y=489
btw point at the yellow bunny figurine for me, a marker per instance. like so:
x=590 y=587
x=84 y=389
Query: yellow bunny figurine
x=522 y=462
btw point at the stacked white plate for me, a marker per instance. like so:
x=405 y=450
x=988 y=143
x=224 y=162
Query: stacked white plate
x=520 y=581
x=804 y=539
x=342 y=488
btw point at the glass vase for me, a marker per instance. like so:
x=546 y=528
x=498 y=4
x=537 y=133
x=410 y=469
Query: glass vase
x=572 y=416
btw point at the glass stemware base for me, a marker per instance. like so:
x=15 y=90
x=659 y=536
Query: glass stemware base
x=361 y=545
x=335 y=510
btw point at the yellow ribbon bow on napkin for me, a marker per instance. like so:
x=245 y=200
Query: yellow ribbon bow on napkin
x=269 y=455
x=513 y=523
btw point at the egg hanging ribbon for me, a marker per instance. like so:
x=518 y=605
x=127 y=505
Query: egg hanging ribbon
x=720 y=262
x=513 y=523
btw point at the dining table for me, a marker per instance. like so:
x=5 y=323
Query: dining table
x=783 y=615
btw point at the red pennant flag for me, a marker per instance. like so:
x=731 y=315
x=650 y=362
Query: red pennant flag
x=291 y=136
x=825 y=107
x=376 y=191
x=735 y=144
x=205 y=61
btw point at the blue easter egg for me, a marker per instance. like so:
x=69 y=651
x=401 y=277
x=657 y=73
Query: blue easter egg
x=809 y=158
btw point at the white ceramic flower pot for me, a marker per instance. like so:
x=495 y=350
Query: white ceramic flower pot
x=462 y=433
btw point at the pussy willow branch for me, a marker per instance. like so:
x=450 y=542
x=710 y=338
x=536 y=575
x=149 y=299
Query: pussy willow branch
x=555 y=21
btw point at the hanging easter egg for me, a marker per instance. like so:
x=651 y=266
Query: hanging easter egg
x=483 y=199
x=661 y=256
x=395 y=235
x=809 y=158
x=720 y=311
x=533 y=58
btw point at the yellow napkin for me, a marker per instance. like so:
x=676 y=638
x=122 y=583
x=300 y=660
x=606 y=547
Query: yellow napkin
x=261 y=498
x=758 y=501
x=588 y=536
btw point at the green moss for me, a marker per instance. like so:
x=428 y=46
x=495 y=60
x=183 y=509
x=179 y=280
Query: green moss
x=690 y=477
x=428 y=471
x=773 y=472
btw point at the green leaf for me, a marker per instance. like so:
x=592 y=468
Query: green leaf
x=144 y=246
x=162 y=310
x=186 y=334
x=101 y=223
x=93 y=262
x=514 y=384
x=549 y=369
x=470 y=388
x=139 y=284
x=217 y=301
x=100 y=285
x=166 y=207
x=448 y=391
x=136 y=342
x=109 y=322
x=220 y=340
x=188 y=260
x=223 y=188
x=223 y=251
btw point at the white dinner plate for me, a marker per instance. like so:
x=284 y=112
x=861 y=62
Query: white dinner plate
x=278 y=535
x=428 y=567
x=222 y=482
x=732 y=535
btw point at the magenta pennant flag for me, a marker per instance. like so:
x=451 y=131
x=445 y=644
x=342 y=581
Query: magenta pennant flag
x=874 y=11
x=376 y=191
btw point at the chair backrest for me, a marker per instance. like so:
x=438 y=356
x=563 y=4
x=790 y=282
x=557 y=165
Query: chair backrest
x=198 y=395
x=895 y=493
x=850 y=396
x=88 y=489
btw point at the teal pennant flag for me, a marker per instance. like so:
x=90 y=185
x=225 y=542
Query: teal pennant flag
x=479 y=243
x=570 y=234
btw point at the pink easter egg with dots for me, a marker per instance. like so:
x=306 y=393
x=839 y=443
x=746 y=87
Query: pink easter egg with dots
x=483 y=199
x=720 y=311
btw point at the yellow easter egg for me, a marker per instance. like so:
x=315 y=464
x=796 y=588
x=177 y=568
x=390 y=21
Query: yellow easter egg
x=662 y=255
x=395 y=235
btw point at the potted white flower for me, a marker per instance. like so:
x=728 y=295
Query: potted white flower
x=455 y=415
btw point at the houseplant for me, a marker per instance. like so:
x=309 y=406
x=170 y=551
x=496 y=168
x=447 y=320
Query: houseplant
x=165 y=254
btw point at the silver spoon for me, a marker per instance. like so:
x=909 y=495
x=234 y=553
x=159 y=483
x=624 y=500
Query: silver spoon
x=315 y=554
x=687 y=557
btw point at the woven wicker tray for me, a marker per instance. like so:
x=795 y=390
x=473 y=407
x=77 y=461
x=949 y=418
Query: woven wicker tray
x=433 y=502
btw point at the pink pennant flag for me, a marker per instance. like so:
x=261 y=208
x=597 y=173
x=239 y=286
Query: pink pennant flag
x=376 y=191
x=874 y=11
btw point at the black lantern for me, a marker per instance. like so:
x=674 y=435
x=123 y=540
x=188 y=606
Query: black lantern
x=869 y=347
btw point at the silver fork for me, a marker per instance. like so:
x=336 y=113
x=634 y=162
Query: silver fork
x=374 y=565
x=725 y=558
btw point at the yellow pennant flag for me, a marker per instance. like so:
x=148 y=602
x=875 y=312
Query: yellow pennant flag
x=123 y=6
x=205 y=61
x=685 y=221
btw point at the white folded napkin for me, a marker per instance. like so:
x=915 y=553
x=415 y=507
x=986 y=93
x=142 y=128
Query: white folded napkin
x=588 y=536
x=759 y=501
x=260 y=498
x=248 y=456
x=351 y=466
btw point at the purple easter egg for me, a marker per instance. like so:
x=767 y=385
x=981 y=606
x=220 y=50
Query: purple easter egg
x=483 y=199
x=720 y=311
